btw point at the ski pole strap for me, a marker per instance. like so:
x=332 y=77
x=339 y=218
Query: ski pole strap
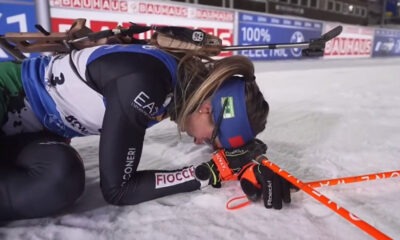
x=225 y=172
x=238 y=203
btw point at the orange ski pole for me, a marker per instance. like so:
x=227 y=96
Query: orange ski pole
x=329 y=182
x=353 y=179
x=372 y=231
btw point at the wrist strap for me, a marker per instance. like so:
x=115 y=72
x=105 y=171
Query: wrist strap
x=222 y=164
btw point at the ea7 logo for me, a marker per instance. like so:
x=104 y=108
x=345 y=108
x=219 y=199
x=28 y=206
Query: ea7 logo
x=143 y=103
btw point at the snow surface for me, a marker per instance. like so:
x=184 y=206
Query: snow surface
x=328 y=119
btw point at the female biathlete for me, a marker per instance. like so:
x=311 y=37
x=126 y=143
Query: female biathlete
x=118 y=91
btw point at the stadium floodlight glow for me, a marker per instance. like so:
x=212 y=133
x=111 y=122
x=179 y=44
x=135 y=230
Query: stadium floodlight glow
x=351 y=7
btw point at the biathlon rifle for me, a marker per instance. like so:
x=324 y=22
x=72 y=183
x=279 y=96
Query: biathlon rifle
x=77 y=37
x=168 y=37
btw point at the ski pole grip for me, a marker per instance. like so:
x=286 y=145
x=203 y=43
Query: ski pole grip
x=312 y=52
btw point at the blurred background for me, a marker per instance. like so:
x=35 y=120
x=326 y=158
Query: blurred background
x=371 y=28
x=363 y=12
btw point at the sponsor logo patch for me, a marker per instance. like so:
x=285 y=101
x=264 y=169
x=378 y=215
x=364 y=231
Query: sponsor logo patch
x=167 y=179
x=229 y=111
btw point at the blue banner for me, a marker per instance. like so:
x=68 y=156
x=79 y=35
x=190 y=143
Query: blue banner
x=267 y=29
x=18 y=16
x=386 y=43
x=392 y=7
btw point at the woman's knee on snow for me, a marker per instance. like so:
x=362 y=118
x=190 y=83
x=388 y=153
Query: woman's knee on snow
x=57 y=168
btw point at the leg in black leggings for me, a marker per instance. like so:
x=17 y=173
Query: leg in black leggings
x=40 y=175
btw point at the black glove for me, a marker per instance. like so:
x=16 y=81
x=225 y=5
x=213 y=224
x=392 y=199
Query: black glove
x=258 y=180
x=228 y=164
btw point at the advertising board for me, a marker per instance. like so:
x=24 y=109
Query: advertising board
x=103 y=15
x=16 y=16
x=386 y=43
x=268 y=29
x=353 y=42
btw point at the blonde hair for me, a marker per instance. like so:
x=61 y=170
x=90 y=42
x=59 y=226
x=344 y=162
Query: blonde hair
x=199 y=77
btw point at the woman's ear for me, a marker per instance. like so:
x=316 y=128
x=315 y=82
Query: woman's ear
x=206 y=106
